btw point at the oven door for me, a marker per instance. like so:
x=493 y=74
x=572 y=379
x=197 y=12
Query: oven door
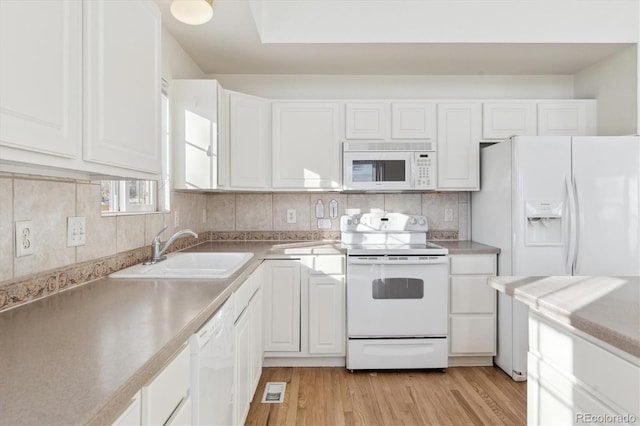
x=378 y=170
x=397 y=296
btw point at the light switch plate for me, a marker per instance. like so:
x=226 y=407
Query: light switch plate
x=24 y=238
x=76 y=231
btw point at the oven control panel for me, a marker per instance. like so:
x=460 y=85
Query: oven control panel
x=383 y=222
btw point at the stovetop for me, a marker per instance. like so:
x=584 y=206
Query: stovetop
x=395 y=249
x=387 y=234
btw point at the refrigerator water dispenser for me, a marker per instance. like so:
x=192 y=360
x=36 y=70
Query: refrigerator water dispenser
x=544 y=223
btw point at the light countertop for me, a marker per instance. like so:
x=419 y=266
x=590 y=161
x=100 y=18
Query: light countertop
x=80 y=355
x=607 y=308
x=467 y=247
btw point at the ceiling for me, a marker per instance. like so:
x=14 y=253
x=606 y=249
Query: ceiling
x=230 y=44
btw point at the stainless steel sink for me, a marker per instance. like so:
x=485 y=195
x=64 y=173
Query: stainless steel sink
x=189 y=265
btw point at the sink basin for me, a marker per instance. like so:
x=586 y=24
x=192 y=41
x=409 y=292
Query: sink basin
x=189 y=265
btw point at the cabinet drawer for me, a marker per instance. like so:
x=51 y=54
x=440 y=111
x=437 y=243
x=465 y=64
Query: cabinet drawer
x=617 y=380
x=130 y=416
x=482 y=264
x=324 y=265
x=472 y=295
x=166 y=390
x=472 y=334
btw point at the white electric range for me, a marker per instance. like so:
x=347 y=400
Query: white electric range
x=397 y=293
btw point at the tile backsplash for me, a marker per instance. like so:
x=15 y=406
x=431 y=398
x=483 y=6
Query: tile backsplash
x=48 y=202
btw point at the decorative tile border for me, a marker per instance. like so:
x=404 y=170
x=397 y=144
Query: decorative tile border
x=32 y=287
x=442 y=235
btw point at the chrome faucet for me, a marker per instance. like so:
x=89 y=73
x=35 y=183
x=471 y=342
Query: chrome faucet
x=157 y=252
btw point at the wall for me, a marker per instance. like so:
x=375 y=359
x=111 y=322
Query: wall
x=267 y=211
x=400 y=86
x=614 y=83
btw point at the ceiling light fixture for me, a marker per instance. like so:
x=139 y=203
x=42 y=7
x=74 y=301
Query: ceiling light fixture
x=192 y=12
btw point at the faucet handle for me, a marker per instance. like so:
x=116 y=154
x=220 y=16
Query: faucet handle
x=157 y=237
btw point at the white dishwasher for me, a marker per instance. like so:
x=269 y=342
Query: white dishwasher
x=212 y=358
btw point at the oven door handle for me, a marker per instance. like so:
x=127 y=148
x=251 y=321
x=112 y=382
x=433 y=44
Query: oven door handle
x=398 y=260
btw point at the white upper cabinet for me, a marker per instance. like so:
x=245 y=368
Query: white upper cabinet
x=501 y=120
x=306 y=145
x=41 y=79
x=248 y=141
x=458 y=152
x=413 y=120
x=80 y=86
x=567 y=118
x=122 y=84
x=367 y=120
x=194 y=130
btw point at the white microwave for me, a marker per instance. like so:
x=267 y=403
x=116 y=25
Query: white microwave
x=388 y=166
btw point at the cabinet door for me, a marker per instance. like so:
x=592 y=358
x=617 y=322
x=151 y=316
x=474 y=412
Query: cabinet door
x=474 y=334
x=368 y=120
x=243 y=367
x=306 y=145
x=501 y=120
x=247 y=141
x=564 y=119
x=459 y=130
x=194 y=128
x=257 y=353
x=471 y=294
x=41 y=77
x=131 y=415
x=327 y=314
x=165 y=392
x=282 y=306
x=122 y=84
x=413 y=120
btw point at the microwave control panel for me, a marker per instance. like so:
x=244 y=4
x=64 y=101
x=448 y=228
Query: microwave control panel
x=425 y=163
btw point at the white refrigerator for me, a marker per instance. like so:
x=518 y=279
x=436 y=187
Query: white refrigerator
x=556 y=205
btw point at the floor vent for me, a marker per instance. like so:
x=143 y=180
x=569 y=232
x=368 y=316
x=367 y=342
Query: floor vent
x=274 y=393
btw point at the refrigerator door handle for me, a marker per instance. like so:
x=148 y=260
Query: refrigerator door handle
x=579 y=220
x=571 y=240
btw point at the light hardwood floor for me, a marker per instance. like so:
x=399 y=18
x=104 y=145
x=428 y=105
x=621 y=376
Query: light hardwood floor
x=334 y=396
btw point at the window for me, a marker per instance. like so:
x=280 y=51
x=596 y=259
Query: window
x=130 y=196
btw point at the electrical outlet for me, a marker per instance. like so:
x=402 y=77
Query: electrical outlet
x=76 y=234
x=448 y=215
x=204 y=215
x=24 y=238
x=291 y=215
x=176 y=219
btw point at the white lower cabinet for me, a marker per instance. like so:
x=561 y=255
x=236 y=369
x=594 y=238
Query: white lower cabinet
x=131 y=415
x=255 y=336
x=472 y=310
x=305 y=310
x=167 y=391
x=243 y=368
x=573 y=378
x=282 y=306
x=327 y=314
x=248 y=348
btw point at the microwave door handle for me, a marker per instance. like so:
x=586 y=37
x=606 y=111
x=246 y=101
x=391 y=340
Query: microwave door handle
x=412 y=171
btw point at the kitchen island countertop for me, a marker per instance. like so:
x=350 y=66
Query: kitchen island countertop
x=607 y=308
